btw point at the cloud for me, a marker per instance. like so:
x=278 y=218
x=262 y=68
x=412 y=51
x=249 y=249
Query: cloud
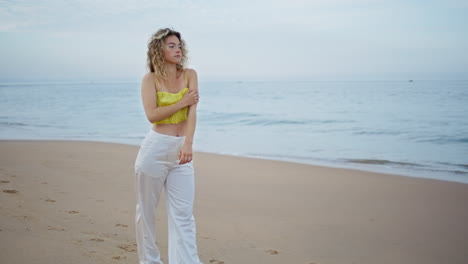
x=99 y=15
x=55 y=15
x=245 y=37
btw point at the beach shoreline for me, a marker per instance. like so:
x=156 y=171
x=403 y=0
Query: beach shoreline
x=74 y=201
x=414 y=170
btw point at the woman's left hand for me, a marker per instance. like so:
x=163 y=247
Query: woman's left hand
x=185 y=154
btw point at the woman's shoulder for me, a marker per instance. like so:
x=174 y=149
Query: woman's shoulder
x=191 y=72
x=148 y=81
x=149 y=76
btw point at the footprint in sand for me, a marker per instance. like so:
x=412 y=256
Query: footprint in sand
x=55 y=228
x=119 y=257
x=10 y=174
x=122 y=225
x=97 y=239
x=10 y=191
x=27 y=218
x=7 y=173
x=272 y=252
x=214 y=261
x=72 y=212
x=4 y=181
x=50 y=200
x=128 y=248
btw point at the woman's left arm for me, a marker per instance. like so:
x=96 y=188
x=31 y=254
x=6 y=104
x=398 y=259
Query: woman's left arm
x=185 y=154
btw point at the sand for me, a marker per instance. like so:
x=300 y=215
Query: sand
x=74 y=202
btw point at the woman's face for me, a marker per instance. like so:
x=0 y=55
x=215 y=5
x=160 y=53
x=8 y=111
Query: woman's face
x=172 y=50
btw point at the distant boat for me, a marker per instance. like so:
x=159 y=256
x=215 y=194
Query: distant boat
x=410 y=80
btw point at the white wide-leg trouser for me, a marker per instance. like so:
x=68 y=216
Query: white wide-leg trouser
x=157 y=168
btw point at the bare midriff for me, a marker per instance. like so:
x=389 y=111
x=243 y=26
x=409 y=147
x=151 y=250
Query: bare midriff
x=176 y=130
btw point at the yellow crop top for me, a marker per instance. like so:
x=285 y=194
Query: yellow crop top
x=167 y=98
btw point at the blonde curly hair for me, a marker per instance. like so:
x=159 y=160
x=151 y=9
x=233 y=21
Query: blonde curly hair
x=155 y=54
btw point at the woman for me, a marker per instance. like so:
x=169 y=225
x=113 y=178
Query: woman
x=170 y=96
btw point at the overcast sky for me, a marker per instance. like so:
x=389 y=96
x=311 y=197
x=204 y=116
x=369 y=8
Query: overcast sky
x=237 y=40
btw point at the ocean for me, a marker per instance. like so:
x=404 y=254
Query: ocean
x=414 y=128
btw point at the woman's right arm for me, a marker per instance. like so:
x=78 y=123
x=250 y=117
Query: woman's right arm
x=155 y=113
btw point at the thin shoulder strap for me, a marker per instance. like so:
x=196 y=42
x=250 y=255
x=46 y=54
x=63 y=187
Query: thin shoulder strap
x=156 y=83
x=185 y=76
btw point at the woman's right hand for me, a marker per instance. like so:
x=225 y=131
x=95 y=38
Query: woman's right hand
x=191 y=97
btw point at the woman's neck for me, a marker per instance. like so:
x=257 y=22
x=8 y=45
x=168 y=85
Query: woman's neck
x=171 y=71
